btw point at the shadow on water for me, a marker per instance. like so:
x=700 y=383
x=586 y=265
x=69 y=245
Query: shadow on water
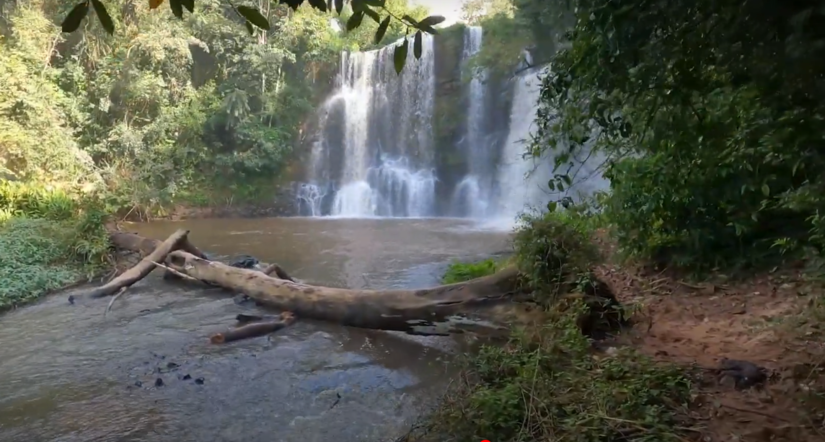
x=147 y=372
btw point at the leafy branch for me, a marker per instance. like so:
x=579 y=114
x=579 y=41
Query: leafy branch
x=253 y=17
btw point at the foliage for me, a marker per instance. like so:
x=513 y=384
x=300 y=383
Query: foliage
x=48 y=239
x=40 y=255
x=549 y=386
x=465 y=271
x=554 y=253
x=505 y=36
x=163 y=111
x=710 y=115
x=254 y=17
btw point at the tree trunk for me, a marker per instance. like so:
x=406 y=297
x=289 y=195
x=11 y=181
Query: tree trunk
x=434 y=311
x=145 y=266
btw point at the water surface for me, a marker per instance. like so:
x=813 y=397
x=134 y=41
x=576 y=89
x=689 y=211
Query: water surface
x=67 y=373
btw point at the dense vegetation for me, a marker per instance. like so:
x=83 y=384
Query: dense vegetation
x=166 y=111
x=710 y=117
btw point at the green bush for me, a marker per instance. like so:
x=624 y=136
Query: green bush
x=48 y=239
x=553 y=388
x=465 y=271
x=34 y=201
x=554 y=252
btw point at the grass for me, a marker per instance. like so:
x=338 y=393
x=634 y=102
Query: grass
x=41 y=255
x=464 y=271
x=546 y=383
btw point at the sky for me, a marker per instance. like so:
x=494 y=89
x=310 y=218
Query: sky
x=450 y=9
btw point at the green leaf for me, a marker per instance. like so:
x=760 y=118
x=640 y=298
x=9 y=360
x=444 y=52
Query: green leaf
x=294 y=4
x=339 y=6
x=321 y=5
x=74 y=17
x=766 y=190
x=417 y=45
x=432 y=20
x=427 y=24
x=249 y=27
x=189 y=5
x=373 y=15
x=103 y=17
x=409 y=20
x=177 y=8
x=378 y=3
x=355 y=20
x=551 y=206
x=254 y=16
x=399 y=57
x=382 y=29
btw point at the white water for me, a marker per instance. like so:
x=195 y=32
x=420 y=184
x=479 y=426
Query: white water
x=522 y=181
x=474 y=192
x=374 y=154
x=393 y=178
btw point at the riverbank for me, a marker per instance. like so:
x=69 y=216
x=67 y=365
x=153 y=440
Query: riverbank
x=658 y=379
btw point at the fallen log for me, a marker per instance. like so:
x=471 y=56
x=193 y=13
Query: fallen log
x=144 y=267
x=254 y=329
x=435 y=311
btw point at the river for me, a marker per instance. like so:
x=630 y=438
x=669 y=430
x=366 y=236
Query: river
x=67 y=373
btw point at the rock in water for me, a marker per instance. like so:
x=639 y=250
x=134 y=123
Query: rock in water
x=244 y=262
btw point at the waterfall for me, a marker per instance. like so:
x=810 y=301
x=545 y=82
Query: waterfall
x=522 y=181
x=473 y=193
x=375 y=153
x=380 y=122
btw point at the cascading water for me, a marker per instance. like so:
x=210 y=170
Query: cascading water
x=374 y=152
x=473 y=193
x=522 y=182
x=381 y=122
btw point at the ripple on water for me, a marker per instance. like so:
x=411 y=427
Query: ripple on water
x=67 y=373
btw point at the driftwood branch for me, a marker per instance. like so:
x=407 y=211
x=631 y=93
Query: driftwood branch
x=144 y=267
x=254 y=329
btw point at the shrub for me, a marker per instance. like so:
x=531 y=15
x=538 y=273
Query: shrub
x=554 y=253
x=555 y=389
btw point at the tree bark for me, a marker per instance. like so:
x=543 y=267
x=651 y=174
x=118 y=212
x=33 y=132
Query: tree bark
x=254 y=329
x=435 y=311
x=145 y=266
